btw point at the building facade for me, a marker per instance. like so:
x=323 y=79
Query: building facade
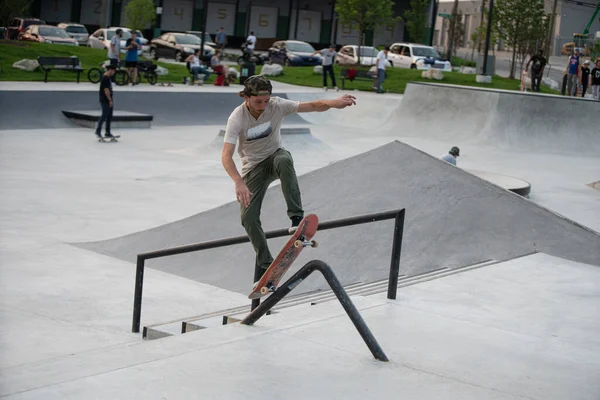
x=313 y=21
x=572 y=16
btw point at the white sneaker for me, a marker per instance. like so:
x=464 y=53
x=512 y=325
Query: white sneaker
x=325 y=88
x=336 y=89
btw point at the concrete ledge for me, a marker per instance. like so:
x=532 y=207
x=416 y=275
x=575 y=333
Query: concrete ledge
x=483 y=79
x=120 y=120
x=515 y=185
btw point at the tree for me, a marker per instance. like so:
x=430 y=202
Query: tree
x=139 y=14
x=479 y=35
x=519 y=22
x=416 y=20
x=452 y=30
x=10 y=9
x=365 y=15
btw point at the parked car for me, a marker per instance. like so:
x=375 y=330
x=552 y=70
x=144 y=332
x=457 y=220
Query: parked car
x=410 y=55
x=178 y=46
x=208 y=40
x=47 y=34
x=76 y=31
x=293 y=53
x=348 y=55
x=102 y=37
x=18 y=25
x=138 y=34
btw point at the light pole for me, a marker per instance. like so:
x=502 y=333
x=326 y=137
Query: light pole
x=488 y=38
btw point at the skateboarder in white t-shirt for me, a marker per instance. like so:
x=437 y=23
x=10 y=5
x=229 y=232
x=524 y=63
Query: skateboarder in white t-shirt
x=254 y=128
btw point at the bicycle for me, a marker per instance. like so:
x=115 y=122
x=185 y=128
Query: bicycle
x=121 y=77
x=147 y=69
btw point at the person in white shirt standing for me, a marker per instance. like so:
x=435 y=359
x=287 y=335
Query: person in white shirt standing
x=251 y=42
x=328 y=56
x=114 y=51
x=381 y=65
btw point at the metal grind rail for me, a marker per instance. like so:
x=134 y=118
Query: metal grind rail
x=340 y=293
x=397 y=215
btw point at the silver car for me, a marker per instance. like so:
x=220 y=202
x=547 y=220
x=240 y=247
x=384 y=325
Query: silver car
x=76 y=31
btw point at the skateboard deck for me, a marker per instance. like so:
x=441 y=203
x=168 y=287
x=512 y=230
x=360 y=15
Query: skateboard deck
x=112 y=139
x=300 y=239
x=523 y=78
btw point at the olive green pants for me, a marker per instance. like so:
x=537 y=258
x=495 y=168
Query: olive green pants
x=279 y=165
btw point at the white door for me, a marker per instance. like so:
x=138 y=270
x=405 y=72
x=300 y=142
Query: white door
x=309 y=25
x=221 y=15
x=177 y=15
x=263 y=22
x=56 y=11
x=91 y=12
x=347 y=34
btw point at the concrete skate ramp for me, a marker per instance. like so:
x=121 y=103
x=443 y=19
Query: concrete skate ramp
x=452 y=219
x=43 y=109
x=503 y=119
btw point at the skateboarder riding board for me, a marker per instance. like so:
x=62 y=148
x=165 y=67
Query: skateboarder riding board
x=254 y=127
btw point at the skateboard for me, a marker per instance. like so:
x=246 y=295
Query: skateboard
x=523 y=77
x=300 y=239
x=106 y=140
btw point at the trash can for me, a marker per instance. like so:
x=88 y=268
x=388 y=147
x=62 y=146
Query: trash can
x=248 y=69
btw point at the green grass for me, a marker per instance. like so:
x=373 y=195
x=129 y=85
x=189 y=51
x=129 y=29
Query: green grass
x=13 y=51
x=396 y=80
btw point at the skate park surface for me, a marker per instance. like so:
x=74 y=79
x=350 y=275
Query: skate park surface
x=503 y=300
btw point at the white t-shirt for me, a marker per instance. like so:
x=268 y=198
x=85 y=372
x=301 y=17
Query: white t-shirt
x=381 y=60
x=195 y=61
x=252 y=40
x=328 y=56
x=115 y=41
x=258 y=138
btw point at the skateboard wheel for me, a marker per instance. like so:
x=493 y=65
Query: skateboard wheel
x=264 y=290
x=298 y=243
x=314 y=243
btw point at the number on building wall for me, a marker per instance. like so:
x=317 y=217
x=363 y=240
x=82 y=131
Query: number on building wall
x=222 y=13
x=309 y=23
x=346 y=29
x=98 y=8
x=178 y=12
x=389 y=28
x=263 y=19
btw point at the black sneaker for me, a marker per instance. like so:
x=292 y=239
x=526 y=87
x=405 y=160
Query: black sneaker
x=295 y=222
x=109 y=135
x=99 y=135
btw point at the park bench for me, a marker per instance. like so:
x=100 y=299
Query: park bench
x=47 y=64
x=352 y=74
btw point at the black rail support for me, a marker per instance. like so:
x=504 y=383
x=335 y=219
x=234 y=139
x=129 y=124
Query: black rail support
x=396 y=252
x=137 y=297
x=338 y=289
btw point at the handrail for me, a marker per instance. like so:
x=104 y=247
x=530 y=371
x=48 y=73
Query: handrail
x=336 y=287
x=398 y=215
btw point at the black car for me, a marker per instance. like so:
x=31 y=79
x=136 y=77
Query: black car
x=178 y=46
x=294 y=53
x=18 y=25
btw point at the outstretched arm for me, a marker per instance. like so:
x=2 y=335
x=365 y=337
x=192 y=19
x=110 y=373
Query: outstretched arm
x=324 y=105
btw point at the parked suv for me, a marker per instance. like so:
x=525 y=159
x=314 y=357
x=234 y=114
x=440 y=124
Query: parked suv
x=18 y=25
x=76 y=31
x=416 y=56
